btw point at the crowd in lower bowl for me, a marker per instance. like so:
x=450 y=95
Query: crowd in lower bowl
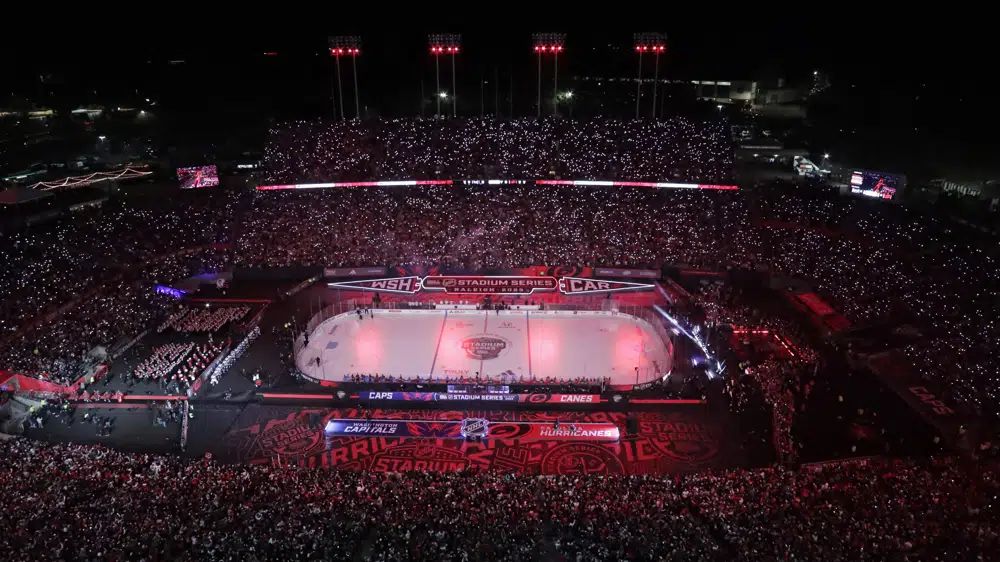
x=76 y=502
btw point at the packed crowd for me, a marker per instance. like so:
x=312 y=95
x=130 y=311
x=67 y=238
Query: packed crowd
x=72 y=284
x=877 y=264
x=163 y=360
x=175 y=366
x=201 y=357
x=597 y=149
x=58 y=348
x=79 y=502
x=485 y=227
x=194 y=320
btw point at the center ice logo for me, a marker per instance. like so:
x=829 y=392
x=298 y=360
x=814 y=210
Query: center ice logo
x=484 y=347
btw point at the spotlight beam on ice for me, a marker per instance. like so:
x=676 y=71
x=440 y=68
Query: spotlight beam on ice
x=719 y=366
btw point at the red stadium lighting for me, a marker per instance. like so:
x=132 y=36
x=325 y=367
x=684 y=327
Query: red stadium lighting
x=655 y=43
x=448 y=44
x=548 y=43
x=343 y=45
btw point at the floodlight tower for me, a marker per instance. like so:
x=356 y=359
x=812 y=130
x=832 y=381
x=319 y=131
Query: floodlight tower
x=347 y=45
x=648 y=42
x=445 y=44
x=548 y=44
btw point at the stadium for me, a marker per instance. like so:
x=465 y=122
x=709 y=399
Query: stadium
x=482 y=338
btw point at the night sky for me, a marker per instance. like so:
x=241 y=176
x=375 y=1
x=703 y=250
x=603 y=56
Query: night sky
x=894 y=81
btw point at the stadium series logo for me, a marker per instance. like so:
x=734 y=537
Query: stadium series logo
x=423 y=457
x=690 y=442
x=484 y=347
x=289 y=437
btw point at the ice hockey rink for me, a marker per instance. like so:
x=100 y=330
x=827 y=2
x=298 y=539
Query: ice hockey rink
x=512 y=344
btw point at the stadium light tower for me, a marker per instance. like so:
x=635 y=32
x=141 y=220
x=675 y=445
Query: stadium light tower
x=445 y=44
x=336 y=52
x=549 y=44
x=347 y=45
x=648 y=42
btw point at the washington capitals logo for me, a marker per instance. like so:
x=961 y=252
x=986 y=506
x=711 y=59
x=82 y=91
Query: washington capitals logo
x=433 y=429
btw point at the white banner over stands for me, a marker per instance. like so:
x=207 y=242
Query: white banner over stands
x=578 y=183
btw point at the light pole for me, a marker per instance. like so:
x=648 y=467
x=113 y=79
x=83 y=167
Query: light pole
x=555 y=83
x=539 y=103
x=446 y=44
x=638 y=94
x=336 y=53
x=454 y=87
x=647 y=42
x=342 y=45
x=548 y=43
x=437 y=74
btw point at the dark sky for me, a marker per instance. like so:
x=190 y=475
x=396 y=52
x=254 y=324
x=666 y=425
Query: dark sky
x=935 y=73
x=786 y=42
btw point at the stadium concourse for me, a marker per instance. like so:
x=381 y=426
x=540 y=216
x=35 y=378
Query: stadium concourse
x=803 y=328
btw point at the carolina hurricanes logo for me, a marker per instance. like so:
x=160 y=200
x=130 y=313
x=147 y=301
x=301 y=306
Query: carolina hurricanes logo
x=563 y=271
x=509 y=430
